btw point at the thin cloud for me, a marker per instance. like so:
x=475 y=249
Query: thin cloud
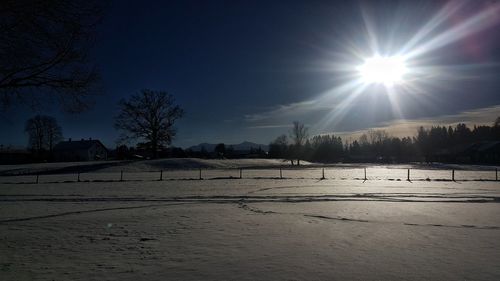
x=287 y=111
x=269 y=126
x=403 y=128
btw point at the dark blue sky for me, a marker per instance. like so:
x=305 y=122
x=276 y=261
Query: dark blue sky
x=244 y=70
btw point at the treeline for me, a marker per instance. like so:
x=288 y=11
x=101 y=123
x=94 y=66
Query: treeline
x=459 y=144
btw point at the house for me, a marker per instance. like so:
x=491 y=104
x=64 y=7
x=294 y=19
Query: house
x=14 y=156
x=82 y=150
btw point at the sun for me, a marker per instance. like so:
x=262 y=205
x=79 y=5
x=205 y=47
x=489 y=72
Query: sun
x=383 y=70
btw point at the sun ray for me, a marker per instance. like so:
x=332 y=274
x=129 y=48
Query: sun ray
x=444 y=13
x=370 y=32
x=482 y=20
x=392 y=94
x=337 y=114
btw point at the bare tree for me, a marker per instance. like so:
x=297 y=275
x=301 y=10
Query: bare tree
x=150 y=116
x=43 y=51
x=279 y=148
x=36 y=133
x=299 y=136
x=363 y=140
x=377 y=136
x=44 y=133
x=53 y=132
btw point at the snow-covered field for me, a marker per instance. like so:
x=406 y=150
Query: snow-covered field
x=190 y=168
x=259 y=227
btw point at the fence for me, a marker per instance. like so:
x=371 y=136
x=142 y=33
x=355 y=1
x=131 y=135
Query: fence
x=364 y=174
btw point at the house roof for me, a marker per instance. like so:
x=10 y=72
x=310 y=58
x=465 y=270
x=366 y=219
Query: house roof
x=77 y=145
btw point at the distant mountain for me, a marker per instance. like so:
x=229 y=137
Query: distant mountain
x=244 y=146
x=208 y=147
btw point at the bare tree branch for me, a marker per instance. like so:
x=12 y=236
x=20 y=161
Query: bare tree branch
x=150 y=116
x=43 y=50
x=43 y=132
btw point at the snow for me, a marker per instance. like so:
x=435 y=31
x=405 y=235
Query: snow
x=255 y=228
x=141 y=165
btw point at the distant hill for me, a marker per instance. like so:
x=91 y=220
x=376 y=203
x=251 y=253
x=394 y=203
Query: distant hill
x=244 y=146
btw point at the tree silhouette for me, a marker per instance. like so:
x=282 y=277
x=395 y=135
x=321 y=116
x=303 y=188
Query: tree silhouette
x=44 y=50
x=459 y=144
x=43 y=132
x=326 y=148
x=279 y=147
x=150 y=116
x=299 y=135
x=220 y=150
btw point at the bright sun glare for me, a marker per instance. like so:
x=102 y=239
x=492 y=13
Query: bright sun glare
x=383 y=70
x=407 y=62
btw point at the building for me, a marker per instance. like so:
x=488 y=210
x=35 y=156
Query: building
x=82 y=150
x=14 y=156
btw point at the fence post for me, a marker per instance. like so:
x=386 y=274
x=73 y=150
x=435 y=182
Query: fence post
x=240 y=172
x=78 y=178
x=37 y=175
x=453 y=175
x=323 y=174
x=281 y=174
x=121 y=175
x=365 y=174
x=200 y=174
x=161 y=175
x=408 y=178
